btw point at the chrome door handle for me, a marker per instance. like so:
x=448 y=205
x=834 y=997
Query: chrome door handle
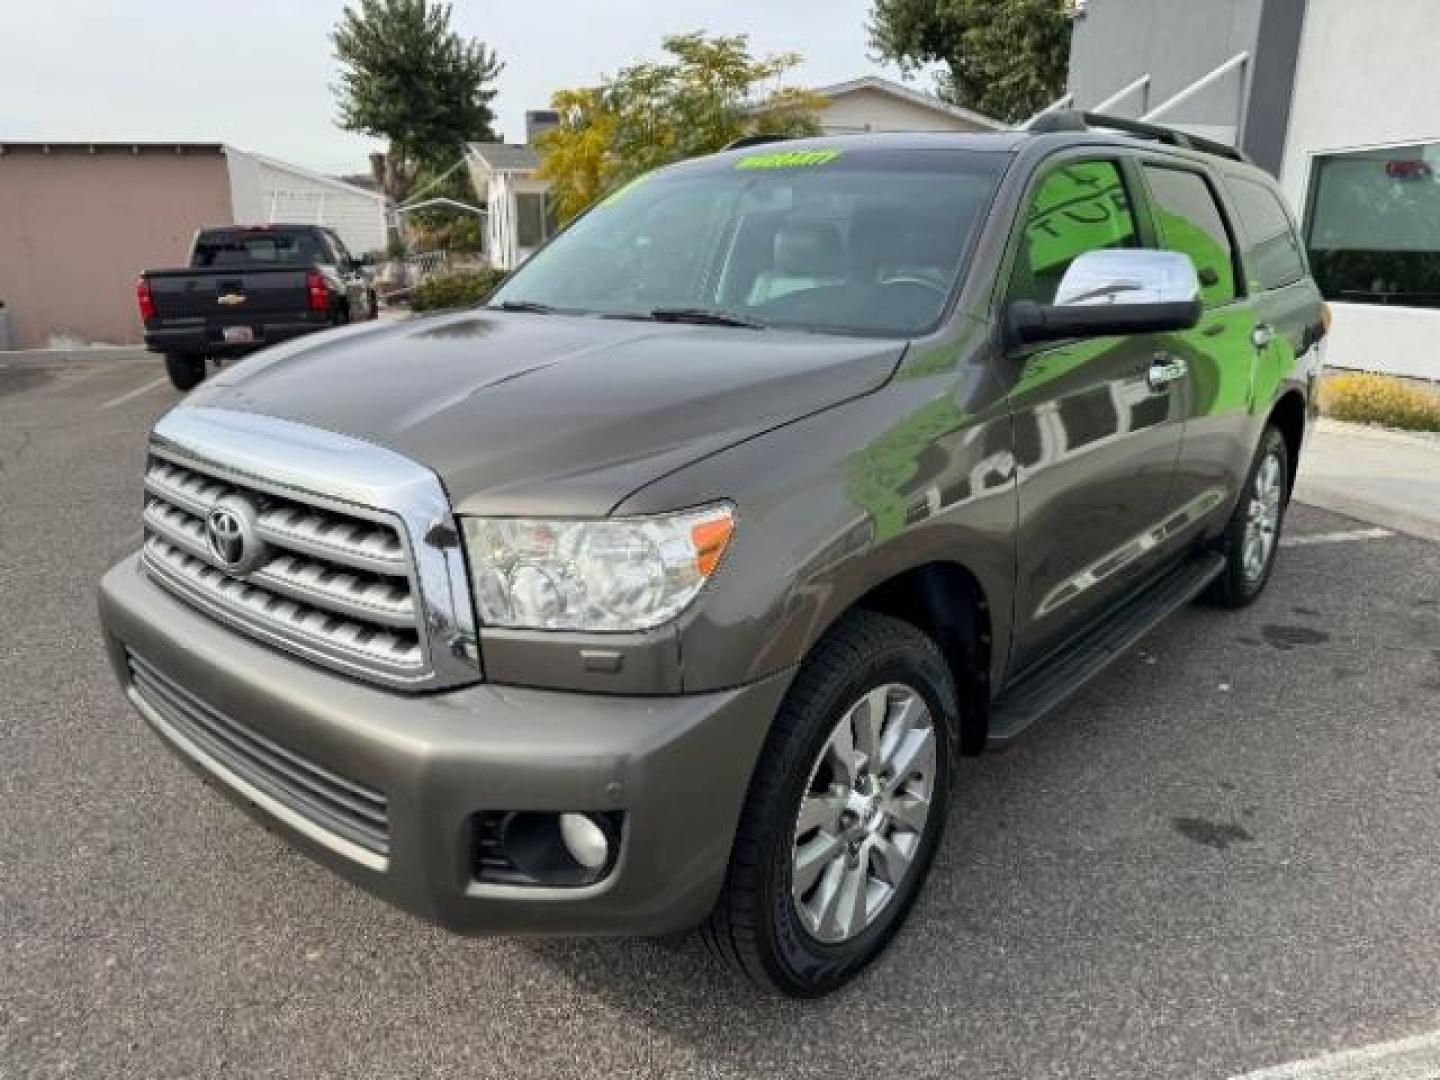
x=1262 y=336
x=1164 y=372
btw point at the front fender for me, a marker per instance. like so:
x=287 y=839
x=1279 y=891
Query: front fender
x=836 y=504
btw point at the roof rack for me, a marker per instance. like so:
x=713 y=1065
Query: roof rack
x=755 y=140
x=1075 y=120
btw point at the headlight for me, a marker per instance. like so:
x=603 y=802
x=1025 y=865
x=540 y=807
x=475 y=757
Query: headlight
x=613 y=574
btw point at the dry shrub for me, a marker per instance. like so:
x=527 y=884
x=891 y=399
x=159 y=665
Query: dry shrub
x=1382 y=399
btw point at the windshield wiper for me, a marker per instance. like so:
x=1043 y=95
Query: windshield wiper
x=523 y=305
x=702 y=317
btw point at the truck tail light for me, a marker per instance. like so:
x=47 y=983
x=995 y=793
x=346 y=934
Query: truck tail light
x=145 y=299
x=316 y=291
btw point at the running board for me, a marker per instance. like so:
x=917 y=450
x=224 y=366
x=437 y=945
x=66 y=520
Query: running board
x=1036 y=694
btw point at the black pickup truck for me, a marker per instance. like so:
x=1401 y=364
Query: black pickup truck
x=247 y=287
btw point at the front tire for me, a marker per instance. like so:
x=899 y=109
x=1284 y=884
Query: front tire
x=1252 y=538
x=845 y=810
x=186 y=372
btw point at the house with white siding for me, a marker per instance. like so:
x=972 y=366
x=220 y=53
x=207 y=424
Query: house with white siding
x=871 y=103
x=263 y=189
x=518 y=218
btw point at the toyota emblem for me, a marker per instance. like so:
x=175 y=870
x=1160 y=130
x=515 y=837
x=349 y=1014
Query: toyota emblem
x=230 y=531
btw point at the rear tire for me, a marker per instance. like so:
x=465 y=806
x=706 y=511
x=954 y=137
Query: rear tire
x=1252 y=538
x=186 y=372
x=829 y=857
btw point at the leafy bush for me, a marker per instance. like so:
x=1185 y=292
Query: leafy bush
x=1382 y=399
x=461 y=289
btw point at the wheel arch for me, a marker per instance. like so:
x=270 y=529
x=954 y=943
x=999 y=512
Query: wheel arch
x=946 y=601
x=1288 y=414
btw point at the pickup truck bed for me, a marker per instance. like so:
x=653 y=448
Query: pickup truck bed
x=231 y=310
x=247 y=287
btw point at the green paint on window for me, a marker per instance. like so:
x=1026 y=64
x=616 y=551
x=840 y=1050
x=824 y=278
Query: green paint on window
x=788 y=159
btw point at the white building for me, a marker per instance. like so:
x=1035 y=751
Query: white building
x=263 y=189
x=1334 y=97
x=871 y=103
x=518 y=217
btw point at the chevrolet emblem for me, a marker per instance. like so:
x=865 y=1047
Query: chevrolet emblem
x=230 y=299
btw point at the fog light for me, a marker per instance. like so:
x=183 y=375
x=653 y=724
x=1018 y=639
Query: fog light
x=537 y=848
x=585 y=841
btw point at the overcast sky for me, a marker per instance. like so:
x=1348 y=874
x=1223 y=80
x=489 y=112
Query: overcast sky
x=257 y=73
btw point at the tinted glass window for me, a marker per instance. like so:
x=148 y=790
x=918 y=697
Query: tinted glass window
x=530 y=221
x=813 y=239
x=342 y=253
x=1374 y=230
x=260 y=247
x=1079 y=207
x=1272 y=250
x=1190 y=222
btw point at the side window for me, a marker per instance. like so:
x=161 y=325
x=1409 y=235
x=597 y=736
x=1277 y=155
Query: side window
x=1080 y=207
x=1272 y=250
x=341 y=252
x=1190 y=221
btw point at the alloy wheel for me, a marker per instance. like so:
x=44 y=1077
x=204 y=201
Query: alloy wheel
x=864 y=812
x=1262 y=525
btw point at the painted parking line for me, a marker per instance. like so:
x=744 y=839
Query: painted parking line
x=1416 y=1058
x=1335 y=537
x=131 y=395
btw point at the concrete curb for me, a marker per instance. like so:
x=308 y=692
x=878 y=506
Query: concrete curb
x=1325 y=496
x=1379 y=434
x=18 y=358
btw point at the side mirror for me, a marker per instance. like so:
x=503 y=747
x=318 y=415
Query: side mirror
x=1128 y=291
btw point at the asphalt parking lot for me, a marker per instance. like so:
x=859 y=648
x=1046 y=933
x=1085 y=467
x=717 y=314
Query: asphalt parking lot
x=1220 y=857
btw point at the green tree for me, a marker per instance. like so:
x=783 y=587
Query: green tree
x=1005 y=58
x=707 y=92
x=409 y=78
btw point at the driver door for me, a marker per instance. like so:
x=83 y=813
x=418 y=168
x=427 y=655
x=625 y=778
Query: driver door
x=1096 y=444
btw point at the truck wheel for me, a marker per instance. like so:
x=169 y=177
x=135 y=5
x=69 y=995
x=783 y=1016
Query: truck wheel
x=186 y=372
x=844 y=812
x=1252 y=538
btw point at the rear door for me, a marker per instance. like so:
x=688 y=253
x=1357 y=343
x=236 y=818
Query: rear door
x=1217 y=361
x=1095 y=443
x=1285 y=297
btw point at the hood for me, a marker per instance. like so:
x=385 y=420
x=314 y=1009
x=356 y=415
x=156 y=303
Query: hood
x=524 y=413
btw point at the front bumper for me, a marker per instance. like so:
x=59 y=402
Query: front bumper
x=678 y=767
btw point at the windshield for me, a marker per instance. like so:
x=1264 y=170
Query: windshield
x=813 y=239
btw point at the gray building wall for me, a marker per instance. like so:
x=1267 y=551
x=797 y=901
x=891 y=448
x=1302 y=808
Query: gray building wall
x=1177 y=42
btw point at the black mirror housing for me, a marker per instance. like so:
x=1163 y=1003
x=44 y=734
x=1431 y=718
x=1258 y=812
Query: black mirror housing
x=1031 y=322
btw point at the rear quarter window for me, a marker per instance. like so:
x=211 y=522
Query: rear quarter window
x=1272 y=252
x=1190 y=221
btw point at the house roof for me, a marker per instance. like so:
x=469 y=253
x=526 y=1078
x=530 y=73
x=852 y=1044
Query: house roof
x=504 y=157
x=47 y=146
x=309 y=174
x=914 y=97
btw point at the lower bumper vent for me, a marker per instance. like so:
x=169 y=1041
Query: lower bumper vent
x=339 y=808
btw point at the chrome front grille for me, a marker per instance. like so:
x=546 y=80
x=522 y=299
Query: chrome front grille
x=335 y=587
x=334 y=549
x=346 y=815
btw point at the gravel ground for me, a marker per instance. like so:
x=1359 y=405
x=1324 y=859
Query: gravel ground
x=1220 y=856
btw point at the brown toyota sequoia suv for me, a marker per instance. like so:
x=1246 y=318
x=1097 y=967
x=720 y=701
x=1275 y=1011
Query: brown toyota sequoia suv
x=663 y=590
